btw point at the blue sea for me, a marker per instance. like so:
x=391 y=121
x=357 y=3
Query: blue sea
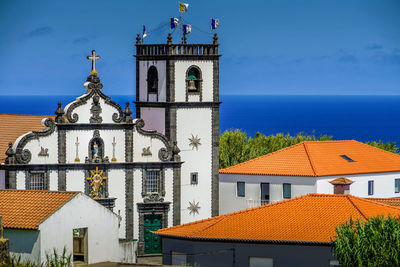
x=362 y=118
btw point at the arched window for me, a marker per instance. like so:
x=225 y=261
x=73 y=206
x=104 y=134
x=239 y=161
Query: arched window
x=152 y=80
x=193 y=79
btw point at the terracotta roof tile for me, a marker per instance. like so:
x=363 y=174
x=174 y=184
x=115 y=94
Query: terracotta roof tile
x=320 y=158
x=388 y=201
x=311 y=219
x=26 y=209
x=341 y=180
x=13 y=126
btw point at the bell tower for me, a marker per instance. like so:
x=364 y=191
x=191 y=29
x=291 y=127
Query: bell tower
x=177 y=94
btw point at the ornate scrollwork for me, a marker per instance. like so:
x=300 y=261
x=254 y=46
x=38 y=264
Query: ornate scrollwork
x=153 y=198
x=164 y=154
x=23 y=156
x=94 y=87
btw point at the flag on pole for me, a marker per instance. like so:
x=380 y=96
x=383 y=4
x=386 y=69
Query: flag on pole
x=183 y=7
x=214 y=24
x=144 y=34
x=174 y=23
x=187 y=28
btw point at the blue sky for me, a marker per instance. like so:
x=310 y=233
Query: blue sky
x=268 y=47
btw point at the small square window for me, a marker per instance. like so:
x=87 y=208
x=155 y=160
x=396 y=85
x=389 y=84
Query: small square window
x=37 y=181
x=396 y=185
x=241 y=189
x=333 y=263
x=287 y=190
x=370 y=187
x=194 y=178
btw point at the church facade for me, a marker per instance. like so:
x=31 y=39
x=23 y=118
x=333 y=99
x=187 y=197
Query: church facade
x=155 y=171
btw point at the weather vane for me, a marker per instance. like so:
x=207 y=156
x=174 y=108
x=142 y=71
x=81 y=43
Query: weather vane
x=93 y=58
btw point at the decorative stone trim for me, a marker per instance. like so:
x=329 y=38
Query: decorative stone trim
x=23 y=156
x=215 y=162
x=94 y=88
x=177 y=104
x=160 y=208
x=129 y=204
x=95 y=110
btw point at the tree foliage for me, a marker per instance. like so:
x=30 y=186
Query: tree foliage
x=372 y=242
x=236 y=147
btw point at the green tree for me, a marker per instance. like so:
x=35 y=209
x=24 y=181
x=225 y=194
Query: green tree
x=371 y=242
x=234 y=147
x=391 y=147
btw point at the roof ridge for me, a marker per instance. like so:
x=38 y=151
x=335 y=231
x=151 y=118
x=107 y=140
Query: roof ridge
x=309 y=159
x=266 y=155
x=212 y=224
x=355 y=206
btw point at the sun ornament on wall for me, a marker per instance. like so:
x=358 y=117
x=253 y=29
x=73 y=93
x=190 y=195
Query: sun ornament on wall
x=96 y=180
x=194 y=142
x=193 y=208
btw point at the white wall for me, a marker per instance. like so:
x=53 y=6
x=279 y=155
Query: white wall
x=75 y=180
x=230 y=202
x=116 y=188
x=383 y=184
x=206 y=67
x=137 y=198
x=140 y=141
x=196 y=121
x=82 y=212
x=161 y=69
x=53 y=180
x=84 y=138
x=20 y=180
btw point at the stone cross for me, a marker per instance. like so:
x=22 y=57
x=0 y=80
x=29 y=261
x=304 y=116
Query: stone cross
x=93 y=58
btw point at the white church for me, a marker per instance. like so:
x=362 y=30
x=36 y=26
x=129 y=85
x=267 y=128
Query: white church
x=155 y=171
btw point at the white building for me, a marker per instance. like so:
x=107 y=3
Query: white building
x=134 y=166
x=37 y=222
x=310 y=167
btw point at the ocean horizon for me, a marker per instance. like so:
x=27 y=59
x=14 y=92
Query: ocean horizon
x=360 y=117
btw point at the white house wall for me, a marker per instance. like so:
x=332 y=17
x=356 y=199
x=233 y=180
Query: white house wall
x=53 y=180
x=181 y=67
x=116 y=188
x=196 y=122
x=230 y=202
x=75 y=180
x=82 y=212
x=161 y=69
x=383 y=184
x=20 y=180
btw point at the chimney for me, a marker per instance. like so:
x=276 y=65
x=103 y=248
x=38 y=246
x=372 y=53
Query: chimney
x=341 y=185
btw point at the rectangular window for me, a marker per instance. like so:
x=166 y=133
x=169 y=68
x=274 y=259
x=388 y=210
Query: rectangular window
x=396 y=185
x=152 y=179
x=264 y=193
x=370 y=187
x=37 y=181
x=287 y=190
x=261 y=262
x=241 y=189
x=193 y=178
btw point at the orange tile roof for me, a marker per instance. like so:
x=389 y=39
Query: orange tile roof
x=388 y=201
x=13 y=126
x=307 y=219
x=341 y=180
x=26 y=209
x=320 y=158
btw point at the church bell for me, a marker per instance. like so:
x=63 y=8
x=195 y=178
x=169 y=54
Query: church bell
x=192 y=85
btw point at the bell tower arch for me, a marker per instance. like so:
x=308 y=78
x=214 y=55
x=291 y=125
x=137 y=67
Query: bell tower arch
x=184 y=107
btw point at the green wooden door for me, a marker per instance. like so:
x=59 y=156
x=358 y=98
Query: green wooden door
x=152 y=242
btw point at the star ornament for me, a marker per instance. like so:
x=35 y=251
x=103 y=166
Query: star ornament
x=193 y=208
x=194 y=142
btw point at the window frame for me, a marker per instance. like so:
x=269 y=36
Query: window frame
x=28 y=179
x=370 y=187
x=154 y=70
x=194 y=174
x=160 y=182
x=283 y=190
x=397 y=190
x=237 y=188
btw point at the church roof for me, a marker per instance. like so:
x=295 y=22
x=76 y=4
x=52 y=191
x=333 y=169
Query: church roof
x=307 y=219
x=13 y=126
x=26 y=209
x=320 y=158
